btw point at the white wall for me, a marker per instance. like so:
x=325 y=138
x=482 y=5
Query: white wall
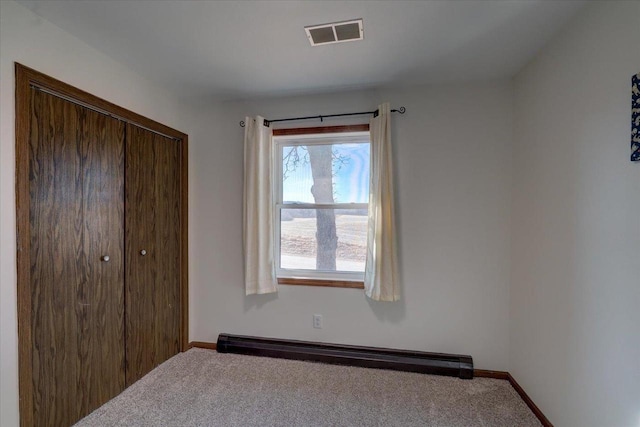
x=28 y=39
x=575 y=295
x=453 y=168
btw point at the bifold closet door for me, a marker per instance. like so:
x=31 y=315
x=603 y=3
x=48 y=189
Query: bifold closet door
x=76 y=227
x=153 y=236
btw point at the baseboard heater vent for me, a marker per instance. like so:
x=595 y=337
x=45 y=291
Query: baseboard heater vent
x=452 y=365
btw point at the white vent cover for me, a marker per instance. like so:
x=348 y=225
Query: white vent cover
x=337 y=32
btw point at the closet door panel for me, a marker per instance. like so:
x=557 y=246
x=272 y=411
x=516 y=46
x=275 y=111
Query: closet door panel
x=153 y=226
x=77 y=360
x=103 y=196
x=168 y=237
x=140 y=301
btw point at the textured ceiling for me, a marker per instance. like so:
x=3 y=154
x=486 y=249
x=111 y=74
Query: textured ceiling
x=245 y=49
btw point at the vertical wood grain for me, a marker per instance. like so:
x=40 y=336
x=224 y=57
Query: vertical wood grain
x=140 y=301
x=168 y=236
x=153 y=281
x=102 y=310
x=23 y=232
x=76 y=207
x=30 y=324
x=184 y=243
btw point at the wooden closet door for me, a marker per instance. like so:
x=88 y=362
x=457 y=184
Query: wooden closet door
x=153 y=236
x=76 y=190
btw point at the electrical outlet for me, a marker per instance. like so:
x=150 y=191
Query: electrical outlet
x=317 y=321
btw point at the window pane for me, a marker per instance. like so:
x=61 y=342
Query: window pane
x=341 y=243
x=328 y=173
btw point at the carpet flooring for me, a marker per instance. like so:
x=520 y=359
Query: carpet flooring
x=205 y=388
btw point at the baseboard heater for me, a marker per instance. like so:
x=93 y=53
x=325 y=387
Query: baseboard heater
x=452 y=365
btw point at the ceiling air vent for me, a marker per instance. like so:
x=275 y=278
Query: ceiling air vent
x=336 y=32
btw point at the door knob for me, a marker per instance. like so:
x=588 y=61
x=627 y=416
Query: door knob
x=105 y=258
x=143 y=252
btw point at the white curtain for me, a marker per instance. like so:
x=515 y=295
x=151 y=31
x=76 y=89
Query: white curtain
x=259 y=269
x=381 y=269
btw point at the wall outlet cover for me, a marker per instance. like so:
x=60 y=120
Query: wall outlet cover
x=317 y=321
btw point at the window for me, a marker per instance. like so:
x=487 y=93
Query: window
x=321 y=205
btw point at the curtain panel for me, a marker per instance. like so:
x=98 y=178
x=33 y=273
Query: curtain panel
x=259 y=267
x=381 y=268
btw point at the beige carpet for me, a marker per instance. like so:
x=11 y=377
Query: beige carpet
x=206 y=388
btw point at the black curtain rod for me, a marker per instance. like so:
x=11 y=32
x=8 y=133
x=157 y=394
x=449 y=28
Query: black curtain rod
x=400 y=110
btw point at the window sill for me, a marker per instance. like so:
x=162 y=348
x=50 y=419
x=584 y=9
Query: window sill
x=320 y=282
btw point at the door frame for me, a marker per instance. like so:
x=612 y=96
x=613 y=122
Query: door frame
x=26 y=78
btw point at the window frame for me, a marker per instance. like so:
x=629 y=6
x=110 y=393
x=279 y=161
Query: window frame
x=311 y=136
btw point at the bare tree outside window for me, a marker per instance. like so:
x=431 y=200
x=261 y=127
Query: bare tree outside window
x=323 y=160
x=335 y=177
